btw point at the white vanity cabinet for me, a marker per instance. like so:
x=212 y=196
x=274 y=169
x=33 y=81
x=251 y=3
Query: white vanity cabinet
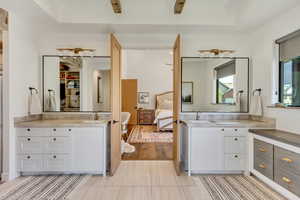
x=61 y=150
x=214 y=150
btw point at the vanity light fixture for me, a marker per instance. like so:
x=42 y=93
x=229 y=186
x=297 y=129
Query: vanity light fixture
x=216 y=52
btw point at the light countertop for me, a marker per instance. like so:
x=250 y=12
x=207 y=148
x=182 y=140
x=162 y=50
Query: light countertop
x=61 y=123
x=228 y=124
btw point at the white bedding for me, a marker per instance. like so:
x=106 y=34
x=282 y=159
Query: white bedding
x=162 y=113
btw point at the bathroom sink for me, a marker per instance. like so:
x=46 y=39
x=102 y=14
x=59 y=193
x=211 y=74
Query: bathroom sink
x=200 y=122
x=227 y=123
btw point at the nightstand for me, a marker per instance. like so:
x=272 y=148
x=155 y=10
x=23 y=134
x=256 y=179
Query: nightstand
x=146 y=116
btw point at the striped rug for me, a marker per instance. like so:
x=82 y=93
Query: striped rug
x=43 y=187
x=238 y=188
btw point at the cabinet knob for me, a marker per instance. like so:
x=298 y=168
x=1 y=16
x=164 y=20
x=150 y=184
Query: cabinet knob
x=28 y=139
x=235 y=139
x=54 y=139
x=236 y=156
x=28 y=129
x=54 y=156
x=54 y=129
x=28 y=157
x=235 y=130
x=222 y=129
x=70 y=130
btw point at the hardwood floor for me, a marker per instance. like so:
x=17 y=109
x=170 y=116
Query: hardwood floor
x=150 y=151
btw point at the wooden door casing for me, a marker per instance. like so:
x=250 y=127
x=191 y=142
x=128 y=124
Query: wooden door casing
x=115 y=134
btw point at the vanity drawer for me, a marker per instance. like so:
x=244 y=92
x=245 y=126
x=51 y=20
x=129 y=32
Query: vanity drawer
x=33 y=132
x=58 y=145
x=265 y=167
x=263 y=150
x=30 y=163
x=64 y=132
x=286 y=160
x=30 y=145
x=234 y=162
x=234 y=145
x=288 y=180
x=57 y=162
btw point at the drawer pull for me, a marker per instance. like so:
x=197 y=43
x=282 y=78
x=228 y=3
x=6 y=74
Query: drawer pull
x=288 y=160
x=287 y=180
x=28 y=139
x=54 y=129
x=235 y=139
x=28 y=129
x=262 y=150
x=70 y=129
x=235 y=130
x=54 y=139
x=28 y=157
x=54 y=157
x=236 y=156
x=222 y=129
x=262 y=166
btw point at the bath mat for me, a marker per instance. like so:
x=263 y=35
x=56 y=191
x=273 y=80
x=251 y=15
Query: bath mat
x=238 y=188
x=144 y=134
x=43 y=187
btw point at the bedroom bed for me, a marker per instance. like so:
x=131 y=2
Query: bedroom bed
x=164 y=111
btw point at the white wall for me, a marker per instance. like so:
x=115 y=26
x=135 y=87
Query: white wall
x=265 y=66
x=149 y=67
x=21 y=70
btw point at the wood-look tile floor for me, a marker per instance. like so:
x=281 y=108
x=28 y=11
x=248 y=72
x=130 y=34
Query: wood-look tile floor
x=150 y=151
x=142 y=180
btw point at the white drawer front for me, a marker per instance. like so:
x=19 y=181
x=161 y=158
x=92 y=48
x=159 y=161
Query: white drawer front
x=30 y=163
x=58 y=145
x=64 y=132
x=33 y=132
x=27 y=145
x=235 y=145
x=57 y=163
x=234 y=131
x=234 y=162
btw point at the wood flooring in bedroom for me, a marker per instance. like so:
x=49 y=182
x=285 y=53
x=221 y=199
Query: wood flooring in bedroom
x=150 y=151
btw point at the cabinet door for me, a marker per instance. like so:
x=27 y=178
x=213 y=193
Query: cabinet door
x=58 y=145
x=57 y=163
x=88 y=153
x=234 y=162
x=28 y=145
x=207 y=149
x=30 y=163
x=235 y=145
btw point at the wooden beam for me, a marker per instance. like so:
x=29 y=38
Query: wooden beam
x=179 y=6
x=116 y=5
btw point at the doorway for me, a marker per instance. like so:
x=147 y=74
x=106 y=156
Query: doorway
x=147 y=104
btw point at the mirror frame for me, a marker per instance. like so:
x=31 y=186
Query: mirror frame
x=43 y=83
x=217 y=57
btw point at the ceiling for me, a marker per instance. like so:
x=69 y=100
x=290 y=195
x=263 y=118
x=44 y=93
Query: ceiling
x=208 y=13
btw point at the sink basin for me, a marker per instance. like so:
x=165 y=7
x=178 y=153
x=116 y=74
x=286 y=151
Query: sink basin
x=200 y=122
x=227 y=123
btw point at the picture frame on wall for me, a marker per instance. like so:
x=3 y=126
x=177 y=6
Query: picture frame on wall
x=187 y=92
x=143 y=97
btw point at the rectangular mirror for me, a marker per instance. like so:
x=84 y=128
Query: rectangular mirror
x=215 y=84
x=75 y=84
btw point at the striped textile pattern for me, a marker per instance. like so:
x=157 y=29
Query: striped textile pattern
x=43 y=188
x=238 y=188
x=139 y=135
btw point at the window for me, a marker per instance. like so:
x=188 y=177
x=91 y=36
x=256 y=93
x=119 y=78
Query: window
x=290 y=82
x=225 y=75
x=289 y=69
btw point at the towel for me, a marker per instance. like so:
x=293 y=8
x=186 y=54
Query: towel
x=51 y=102
x=256 y=107
x=34 y=104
